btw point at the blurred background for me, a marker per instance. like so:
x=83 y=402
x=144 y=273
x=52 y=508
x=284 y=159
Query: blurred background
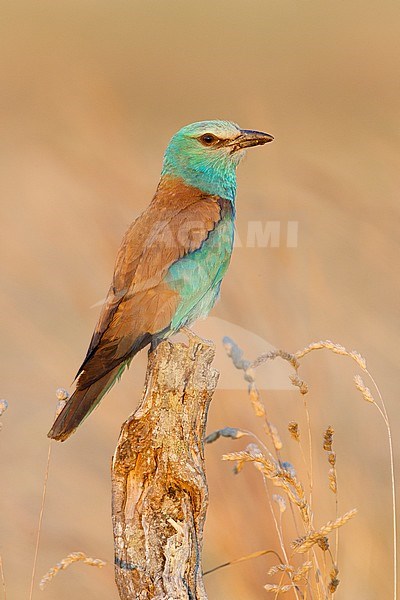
x=91 y=92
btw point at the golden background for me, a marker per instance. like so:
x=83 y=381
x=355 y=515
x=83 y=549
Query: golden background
x=90 y=94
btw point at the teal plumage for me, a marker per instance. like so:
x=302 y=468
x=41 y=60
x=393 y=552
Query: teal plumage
x=197 y=277
x=171 y=261
x=212 y=171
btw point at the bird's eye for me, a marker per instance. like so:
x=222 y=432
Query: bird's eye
x=208 y=139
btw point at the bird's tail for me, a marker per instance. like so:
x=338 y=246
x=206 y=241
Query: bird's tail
x=82 y=403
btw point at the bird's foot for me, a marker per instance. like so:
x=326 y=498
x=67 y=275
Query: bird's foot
x=193 y=338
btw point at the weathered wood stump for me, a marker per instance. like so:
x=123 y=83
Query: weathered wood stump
x=159 y=488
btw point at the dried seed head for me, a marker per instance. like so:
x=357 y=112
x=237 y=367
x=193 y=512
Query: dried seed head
x=254 y=450
x=296 y=381
x=287 y=466
x=250 y=375
x=62 y=399
x=360 y=360
x=275 y=436
x=332 y=458
x=336 y=348
x=65 y=562
x=278 y=589
x=328 y=439
x=228 y=432
x=282 y=568
x=302 y=571
x=334 y=582
x=238 y=467
x=280 y=501
x=3 y=406
x=332 y=481
x=255 y=399
x=304 y=543
x=62 y=394
x=251 y=454
x=323 y=543
x=293 y=428
x=366 y=392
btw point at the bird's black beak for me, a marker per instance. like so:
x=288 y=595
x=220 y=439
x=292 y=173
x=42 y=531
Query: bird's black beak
x=248 y=138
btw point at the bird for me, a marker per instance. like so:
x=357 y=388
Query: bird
x=171 y=261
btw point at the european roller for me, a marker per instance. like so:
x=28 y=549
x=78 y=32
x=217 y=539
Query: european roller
x=171 y=262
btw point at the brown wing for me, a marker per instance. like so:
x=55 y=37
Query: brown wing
x=139 y=304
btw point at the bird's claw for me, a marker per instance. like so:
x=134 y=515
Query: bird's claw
x=193 y=338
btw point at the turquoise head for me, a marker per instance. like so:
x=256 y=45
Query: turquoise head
x=206 y=154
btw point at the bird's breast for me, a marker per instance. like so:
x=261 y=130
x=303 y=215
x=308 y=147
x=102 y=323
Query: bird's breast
x=197 y=277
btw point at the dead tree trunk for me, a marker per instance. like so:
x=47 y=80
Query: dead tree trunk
x=159 y=488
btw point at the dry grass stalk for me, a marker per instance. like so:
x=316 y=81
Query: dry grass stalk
x=62 y=397
x=3 y=408
x=327 y=445
x=256 y=402
x=278 y=475
x=66 y=562
x=242 y=559
x=3 y=580
x=248 y=368
x=282 y=475
x=367 y=395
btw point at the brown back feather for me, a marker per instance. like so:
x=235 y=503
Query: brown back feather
x=177 y=222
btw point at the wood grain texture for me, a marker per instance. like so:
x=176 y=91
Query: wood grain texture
x=159 y=488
